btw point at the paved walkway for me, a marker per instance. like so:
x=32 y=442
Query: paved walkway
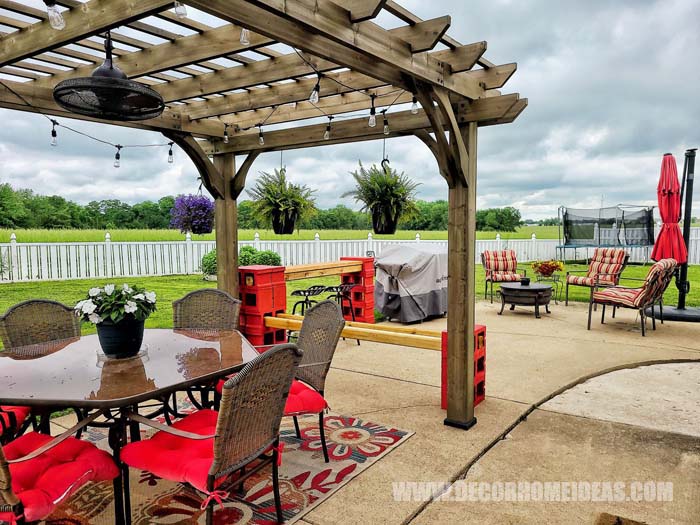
x=527 y=361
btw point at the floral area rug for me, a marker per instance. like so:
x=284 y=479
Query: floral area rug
x=305 y=479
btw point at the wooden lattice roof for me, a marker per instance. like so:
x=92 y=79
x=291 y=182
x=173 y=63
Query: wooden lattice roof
x=213 y=83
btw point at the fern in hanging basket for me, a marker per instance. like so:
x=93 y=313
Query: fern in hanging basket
x=192 y=213
x=386 y=194
x=281 y=203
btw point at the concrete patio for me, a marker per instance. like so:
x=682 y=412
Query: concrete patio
x=528 y=360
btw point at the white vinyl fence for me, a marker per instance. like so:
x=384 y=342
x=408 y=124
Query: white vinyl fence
x=86 y=260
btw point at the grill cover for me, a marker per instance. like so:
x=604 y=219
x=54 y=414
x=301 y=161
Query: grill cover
x=411 y=282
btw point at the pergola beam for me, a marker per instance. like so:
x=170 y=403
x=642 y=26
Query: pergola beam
x=356 y=130
x=361 y=10
x=424 y=36
x=89 y=19
x=323 y=28
x=462 y=58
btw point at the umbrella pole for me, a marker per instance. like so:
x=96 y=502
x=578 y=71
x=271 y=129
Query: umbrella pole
x=683 y=284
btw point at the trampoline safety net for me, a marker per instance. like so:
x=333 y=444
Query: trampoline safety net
x=620 y=225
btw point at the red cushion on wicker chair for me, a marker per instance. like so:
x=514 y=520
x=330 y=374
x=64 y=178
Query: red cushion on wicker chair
x=19 y=412
x=304 y=400
x=45 y=481
x=177 y=458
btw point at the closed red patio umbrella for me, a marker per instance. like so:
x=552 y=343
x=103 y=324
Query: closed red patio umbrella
x=670 y=242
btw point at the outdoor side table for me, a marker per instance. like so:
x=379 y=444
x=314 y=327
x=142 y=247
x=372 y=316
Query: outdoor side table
x=535 y=294
x=557 y=284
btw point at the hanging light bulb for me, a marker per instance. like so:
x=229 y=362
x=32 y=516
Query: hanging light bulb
x=55 y=17
x=386 y=123
x=261 y=138
x=171 y=158
x=54 y=135
x=327 y=134
x=118 y=157
x=180 y=10
x=414 y=107
x=313 y=98
x=372 y=114
x=245 y=37
x=225 y=133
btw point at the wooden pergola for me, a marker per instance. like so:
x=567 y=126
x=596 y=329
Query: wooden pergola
x=216 y=83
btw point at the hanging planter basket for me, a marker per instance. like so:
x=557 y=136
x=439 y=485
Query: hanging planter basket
x=193 y=213
x=383 y=222
x=282 y=223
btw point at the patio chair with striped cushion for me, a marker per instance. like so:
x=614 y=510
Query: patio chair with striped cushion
x=607 y=264
x=647 y=296
x=501 y=266
x=23 y=325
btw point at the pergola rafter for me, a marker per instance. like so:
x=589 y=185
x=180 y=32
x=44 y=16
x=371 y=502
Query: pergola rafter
x=214 y=82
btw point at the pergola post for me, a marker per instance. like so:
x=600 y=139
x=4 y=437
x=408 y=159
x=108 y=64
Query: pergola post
x=455 y=152
x=226 y=221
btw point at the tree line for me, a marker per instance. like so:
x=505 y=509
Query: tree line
x=25 y=209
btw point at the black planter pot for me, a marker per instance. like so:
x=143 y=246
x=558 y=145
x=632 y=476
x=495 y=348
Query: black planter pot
x=384 y=223
x=282 y=228
x=120 y=340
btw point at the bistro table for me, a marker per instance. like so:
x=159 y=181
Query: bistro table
x=74 y=373
x=534 y=294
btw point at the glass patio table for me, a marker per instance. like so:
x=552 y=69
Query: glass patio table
x=75 y=373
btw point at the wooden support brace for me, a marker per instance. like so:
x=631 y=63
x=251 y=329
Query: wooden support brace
x=238 y=182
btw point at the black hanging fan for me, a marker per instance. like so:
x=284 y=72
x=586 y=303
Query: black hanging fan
x=108 y=94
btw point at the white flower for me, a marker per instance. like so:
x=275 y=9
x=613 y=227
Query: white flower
x=139 y=297
x=89 y=307
x=151 y=297
x=95 y=319
x=130 y=307
x=109 y=289
x=79 y=306
x=94 y=292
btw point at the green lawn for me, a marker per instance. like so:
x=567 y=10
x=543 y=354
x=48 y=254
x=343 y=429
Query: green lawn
x=525 y=232
x=172 y=287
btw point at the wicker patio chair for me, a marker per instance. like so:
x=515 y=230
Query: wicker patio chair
x=207 y=309
x=647 y=296
x=605 y=268
x=48 y=471
x=318 y=339
x=28 y=324
x=500 y=267
x=244 y=431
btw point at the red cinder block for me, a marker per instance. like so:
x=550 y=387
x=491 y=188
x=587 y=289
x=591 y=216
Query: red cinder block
x=479 y=367
x=256 y=275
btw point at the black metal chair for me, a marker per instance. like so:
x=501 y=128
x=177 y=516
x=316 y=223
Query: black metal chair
x=342 y=293
x=307 y=302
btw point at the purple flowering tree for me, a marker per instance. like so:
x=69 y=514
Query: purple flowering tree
x=193 y=213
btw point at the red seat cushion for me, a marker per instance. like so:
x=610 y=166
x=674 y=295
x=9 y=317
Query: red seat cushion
x=303 y=400
x=45 y=481
x=618 y=295
x=20 y=414
x=176 y=458
x=503 y=277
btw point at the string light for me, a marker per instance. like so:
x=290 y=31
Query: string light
x=54 y=135
x=313 y=98
x=327 y=134
x=118 y=156
x=414 y=107
x=245 y=37
x=226 y=134
x=372 y=114
x=261 y=138
x=386 y=122
x=180 y=10
x=55 y=17
x=171 y=158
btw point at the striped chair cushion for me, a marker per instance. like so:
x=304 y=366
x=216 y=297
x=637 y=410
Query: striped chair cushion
x=607 y=261
x=503 y=277
x=618 y=295
x=579 y=280
x=500 y=261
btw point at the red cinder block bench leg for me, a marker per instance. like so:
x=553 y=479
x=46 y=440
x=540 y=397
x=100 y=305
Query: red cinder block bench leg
x=263 y=292
x=479 y=367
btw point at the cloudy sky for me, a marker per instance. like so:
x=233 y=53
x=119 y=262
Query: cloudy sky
x=612 y=85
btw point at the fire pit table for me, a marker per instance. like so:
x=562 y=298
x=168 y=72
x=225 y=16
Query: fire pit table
x=534 y=294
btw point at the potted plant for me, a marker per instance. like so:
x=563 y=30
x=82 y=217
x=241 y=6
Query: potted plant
x=280 y=202
x=547 y=268
x=192 y=213
x=386 y=194
x=119 y=315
